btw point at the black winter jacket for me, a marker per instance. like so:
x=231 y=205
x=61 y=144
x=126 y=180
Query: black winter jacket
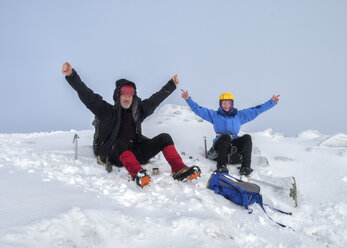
x=109 y=115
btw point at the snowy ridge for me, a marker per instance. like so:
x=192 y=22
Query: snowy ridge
x=338 y=140
x=76 y=203
x=309 y=134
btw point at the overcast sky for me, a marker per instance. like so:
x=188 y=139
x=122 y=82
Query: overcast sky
x=253 y=49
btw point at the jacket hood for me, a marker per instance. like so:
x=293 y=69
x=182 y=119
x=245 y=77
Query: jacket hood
x=119 y=84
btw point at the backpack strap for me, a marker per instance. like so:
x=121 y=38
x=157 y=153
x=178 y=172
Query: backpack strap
x=260 y=202
x=277 y=210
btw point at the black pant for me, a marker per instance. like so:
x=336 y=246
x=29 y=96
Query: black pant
x=243 y=144
x=143 y=150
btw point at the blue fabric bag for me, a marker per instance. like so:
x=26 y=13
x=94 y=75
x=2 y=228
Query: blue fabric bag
x=240 y=192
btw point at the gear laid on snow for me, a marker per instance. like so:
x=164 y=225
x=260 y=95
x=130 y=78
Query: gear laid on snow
x=142 y=178
x=290 y=186
x=187 y=173
x=240 y=192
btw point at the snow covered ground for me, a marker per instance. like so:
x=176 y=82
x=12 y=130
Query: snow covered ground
x=49 y=199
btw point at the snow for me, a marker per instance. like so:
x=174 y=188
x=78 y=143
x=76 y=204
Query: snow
x=309 y=134
x=49 y=199
x=338 y=140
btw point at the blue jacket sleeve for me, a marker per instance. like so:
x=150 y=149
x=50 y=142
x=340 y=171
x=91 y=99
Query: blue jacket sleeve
x=204 y=113
x=247 y=115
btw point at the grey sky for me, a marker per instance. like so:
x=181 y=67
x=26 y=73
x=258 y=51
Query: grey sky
x=253 y=49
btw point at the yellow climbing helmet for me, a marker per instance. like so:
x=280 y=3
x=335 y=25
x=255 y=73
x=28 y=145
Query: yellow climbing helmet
x=226 y=96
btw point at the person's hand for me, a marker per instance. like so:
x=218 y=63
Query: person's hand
x=67 y=69
x=176 y=79
x=275 y=98
x=185 y=95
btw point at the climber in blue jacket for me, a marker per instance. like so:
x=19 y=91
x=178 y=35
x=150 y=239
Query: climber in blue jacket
x=227 y=122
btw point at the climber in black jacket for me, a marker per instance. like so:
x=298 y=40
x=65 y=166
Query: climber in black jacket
x=120 y=140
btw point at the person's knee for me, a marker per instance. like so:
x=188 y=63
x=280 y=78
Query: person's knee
x=247 y=138
x=121 y=146
x=165 y=139
x=225 y=138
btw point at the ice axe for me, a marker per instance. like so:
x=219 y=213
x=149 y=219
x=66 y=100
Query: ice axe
x=292 y=191
x=75 y=140
x=205 y=146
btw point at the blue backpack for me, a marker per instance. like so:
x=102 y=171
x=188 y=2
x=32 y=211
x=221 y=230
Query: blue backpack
x=240 y=192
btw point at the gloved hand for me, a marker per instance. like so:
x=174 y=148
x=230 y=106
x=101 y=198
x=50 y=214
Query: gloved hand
x=245 y=171
x=222 y=169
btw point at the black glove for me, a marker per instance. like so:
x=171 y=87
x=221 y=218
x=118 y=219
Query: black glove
x=245 y=171
x=222 y=169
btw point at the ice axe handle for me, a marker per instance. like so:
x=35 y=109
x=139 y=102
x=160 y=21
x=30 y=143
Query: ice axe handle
x=205 y=146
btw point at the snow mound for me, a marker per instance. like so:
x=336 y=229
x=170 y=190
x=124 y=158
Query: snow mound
x=309 y=134
x=343 y=153
x=175 y=112
x=270 y=133
x=338 y=140
x=71 y=229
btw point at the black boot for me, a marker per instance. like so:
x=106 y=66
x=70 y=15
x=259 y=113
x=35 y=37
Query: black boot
x=187 y=173
x=142 y=178
x=222 y=168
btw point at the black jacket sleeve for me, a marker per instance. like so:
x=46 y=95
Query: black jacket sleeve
x=92 y=101
x=150 y=104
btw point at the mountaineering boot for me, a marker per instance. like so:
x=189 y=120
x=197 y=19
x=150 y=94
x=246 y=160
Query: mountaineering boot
x=173 y=158
x=245 y=171
x=142 y=178
x=222 y=168
x=187 y=173
x=130 y=163
x=179 y=170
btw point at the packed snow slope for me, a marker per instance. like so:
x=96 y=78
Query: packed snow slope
x=49 y=199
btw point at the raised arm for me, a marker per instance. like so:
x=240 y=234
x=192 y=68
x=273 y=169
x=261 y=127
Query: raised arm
x=204 y=113
x=150 y=104
x=92 y=101
x=251 y=113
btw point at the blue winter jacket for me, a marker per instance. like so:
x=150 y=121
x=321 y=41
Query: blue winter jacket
x=229 y=123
